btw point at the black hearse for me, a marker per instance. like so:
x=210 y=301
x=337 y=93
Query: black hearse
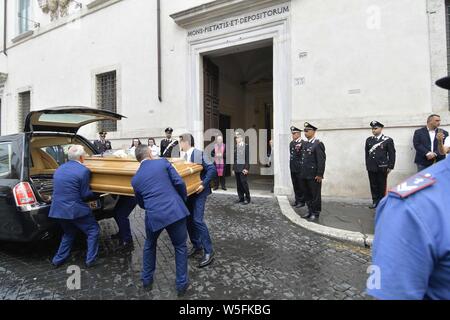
x=27 y=163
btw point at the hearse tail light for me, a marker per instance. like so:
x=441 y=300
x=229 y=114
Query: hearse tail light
x=24 y=195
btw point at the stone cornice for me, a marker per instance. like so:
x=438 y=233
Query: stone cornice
x=218 y=9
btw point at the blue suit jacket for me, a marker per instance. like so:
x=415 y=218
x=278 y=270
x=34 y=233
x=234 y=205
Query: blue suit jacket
x=422 y=144
x=70 y=190
x=160 y=190
x=208 y=173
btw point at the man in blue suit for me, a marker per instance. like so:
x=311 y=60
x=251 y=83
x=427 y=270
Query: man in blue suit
x=160 y=190
x=426 y=143
x=70 y=193
x=198 y=231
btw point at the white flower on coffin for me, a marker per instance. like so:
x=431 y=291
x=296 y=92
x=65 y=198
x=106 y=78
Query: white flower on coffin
x=120 y=154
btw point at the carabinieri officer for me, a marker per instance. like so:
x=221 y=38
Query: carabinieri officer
x=295 y=165
x=313 y=169
x=380 y=160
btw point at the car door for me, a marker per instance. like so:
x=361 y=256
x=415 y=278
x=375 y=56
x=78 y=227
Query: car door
x=11 y=151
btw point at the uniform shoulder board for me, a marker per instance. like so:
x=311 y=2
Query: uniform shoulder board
x=413 y=185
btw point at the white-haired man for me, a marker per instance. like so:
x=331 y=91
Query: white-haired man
x=70 y=192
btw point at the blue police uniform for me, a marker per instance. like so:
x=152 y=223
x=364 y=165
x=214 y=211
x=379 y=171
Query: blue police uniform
x=70 y=191
x=160 y=190
x=198 y=231
x=412 y=238
x=122 y=212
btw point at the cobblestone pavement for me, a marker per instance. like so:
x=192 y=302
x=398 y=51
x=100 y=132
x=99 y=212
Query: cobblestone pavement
x=259 y=255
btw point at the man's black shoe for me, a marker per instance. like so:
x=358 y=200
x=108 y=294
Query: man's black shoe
x=373 y=206
x=127 y=245
x=246 y=202
x=182 y=291
x=216 y=188
x=294 y=204
x=300 y=205
x=115 y=236
x=224 y=189
x=206 y=260
x=93 y=264
x=313 y=218
x=240 y=201
x=307 y=216
x=148 y=286
x=194 y=251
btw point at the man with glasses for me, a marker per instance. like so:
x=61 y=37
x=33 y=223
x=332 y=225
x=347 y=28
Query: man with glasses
x=102 y=145
x=380 y=161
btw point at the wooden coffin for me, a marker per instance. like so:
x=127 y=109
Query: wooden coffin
x=113 y=175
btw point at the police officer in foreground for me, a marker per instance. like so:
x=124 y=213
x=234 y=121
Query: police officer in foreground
x=380 y=160
x=412 y=236
x=295 y=159
x=312 y=172
x=169 y=146
x=102 y=145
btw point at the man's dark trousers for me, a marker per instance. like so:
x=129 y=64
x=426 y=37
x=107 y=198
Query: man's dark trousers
x=242 y=186
x=89 y=226
x=313 y=195
x=198 y=231
x=378 y=181
x=178 y=236
x=123 y=209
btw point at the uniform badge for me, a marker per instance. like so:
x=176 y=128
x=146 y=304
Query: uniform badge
x=413 y=185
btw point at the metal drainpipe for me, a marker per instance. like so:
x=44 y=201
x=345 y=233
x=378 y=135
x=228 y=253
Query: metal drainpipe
x=159 y=49
x=5 y=16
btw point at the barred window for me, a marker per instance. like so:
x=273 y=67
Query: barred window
x=107 y=98
x=24 y=108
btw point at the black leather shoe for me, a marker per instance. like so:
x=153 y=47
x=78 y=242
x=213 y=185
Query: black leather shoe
x=215 y=188
x=294 y=204
x=206 y=260
x=246 y=202
x=115 y=236
x=148 y=286
x=300 y=205
x=313 y=218
x=240 y=201
x=127 y=246
x=182 y=291
x=307 y=216
x=93 y=264
x=194 y=251
x=224 y=189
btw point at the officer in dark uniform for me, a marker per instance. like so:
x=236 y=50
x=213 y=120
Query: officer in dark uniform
x=169 y=147
x=102 y=145
x=294 y=164
x=412 y=237
x=312 y=171
x=380 y=160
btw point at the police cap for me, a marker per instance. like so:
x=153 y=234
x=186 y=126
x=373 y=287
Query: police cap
x=295 y=129
x=169 y=130
x=376 y=124
x=310 y=126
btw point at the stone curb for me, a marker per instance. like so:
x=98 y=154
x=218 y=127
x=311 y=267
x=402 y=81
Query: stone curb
x=357 y=238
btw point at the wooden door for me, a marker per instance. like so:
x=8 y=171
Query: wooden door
x=211 y=113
